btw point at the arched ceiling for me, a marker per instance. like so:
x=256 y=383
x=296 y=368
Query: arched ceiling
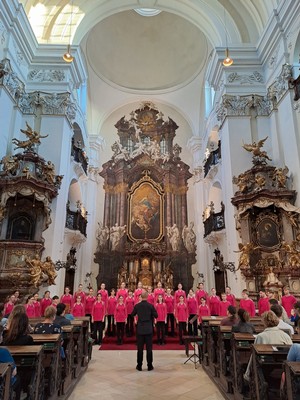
x=149 y=53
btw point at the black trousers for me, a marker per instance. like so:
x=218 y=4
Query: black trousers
x=182 y=330
x=120 y=331
x=160 y=331
x=193 y=328
x=171 y=323
x=129 y=325
x=141 y=341
x=98 y=331
x=111 y=328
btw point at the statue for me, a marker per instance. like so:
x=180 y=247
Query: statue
x=242 y=181
x=122 y=275
x=48 y=171
x=245 y=250
x=116 y=234
x=255 y=149
x=10 y=164
x=33 y=139
x=189 y=238
x=293 y=254
x=102 y=235
x=174 y=237
x=272 y=279
x=49 y=270
x=260 y=181
x=35 y=271
x=279 y=176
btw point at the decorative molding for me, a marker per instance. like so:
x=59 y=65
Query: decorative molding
x=281 y=85
x=244 y=79
x=273 y=59
x=297 y=106
x=3 y=33
x=46 y=75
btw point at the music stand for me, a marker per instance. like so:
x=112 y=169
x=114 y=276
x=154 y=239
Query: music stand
x=194 y=358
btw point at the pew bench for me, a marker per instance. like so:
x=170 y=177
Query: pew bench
x=5 y=377
x=29 y=362
x=292 y=380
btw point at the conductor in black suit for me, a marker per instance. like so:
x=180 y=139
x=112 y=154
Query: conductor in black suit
x=146 y=314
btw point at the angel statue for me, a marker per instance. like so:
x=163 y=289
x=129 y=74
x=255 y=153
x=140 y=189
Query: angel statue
x=245 y=250
x=189 y=238
x=255 y=148
x=33 y=139
x=279 y=176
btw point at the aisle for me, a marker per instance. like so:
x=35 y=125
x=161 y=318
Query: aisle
x=111 y=375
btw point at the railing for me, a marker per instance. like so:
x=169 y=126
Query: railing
x=79 y=156
x=215 y=222
x=75 y=221
x=212 y=159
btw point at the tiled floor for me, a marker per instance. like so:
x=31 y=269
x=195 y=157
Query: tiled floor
x=111 y=375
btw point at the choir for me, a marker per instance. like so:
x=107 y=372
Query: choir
x=112 y=312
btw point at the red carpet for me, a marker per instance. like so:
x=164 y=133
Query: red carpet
x=110 y=343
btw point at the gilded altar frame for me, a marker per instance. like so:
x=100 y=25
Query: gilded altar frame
x=145 y=210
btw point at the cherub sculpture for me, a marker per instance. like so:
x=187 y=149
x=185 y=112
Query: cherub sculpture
x=280 y=176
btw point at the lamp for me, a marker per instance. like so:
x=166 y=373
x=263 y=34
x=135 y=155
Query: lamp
x=228 y=60
x=67 y=57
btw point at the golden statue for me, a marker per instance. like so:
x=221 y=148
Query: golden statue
x=49 y=269
x=33 y=138
x=279 y=176
x=260 y=181
x=35 y=271
x=245 y=250
x=10 y=164
x=242 y=181
x=255 y=149
x=48 y=171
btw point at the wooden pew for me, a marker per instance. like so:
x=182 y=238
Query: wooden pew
x=266 y=367
x=292 y=380
x=52 y=362
x=68 y=363
x=5 y=377
x=225 y=358
x=213 y=347
x=28 y=360
x=86 y=351
x=78 y=346
x=204 y=333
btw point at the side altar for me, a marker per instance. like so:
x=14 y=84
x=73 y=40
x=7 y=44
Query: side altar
x=268 y=224
x=145 y=235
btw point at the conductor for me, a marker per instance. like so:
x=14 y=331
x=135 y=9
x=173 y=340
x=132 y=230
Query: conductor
x=145 y=313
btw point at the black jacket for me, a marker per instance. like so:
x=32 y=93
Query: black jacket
x=146 y=314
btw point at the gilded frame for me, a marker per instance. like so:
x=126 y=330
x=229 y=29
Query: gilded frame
x=145 y=211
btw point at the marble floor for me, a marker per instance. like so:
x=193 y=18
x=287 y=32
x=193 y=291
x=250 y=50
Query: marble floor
x=111 y=375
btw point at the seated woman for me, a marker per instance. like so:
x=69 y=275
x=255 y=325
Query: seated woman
x=17 y=330
x=243 y=325
x=48 y=326
x=231 y=318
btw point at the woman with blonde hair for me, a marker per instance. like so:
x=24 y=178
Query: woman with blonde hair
x=48 y=325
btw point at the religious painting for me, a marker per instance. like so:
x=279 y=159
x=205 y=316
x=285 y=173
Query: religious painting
x=145 y=212
x=268 y=233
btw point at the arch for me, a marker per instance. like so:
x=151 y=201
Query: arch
x=216 y=195
x=74 y=195
x=77 y=138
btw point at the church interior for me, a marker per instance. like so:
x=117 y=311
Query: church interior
x=177 y=152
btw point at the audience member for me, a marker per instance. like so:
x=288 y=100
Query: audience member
x=231 y=318
x=60 y=318
x=48 y=325
x=17 y=330
x=277 y=310
x=243 y=325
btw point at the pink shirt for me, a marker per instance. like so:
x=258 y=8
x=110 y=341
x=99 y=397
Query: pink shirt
x=30 y=310
x=151 y=298
x=67 y=299
x=288 y=303
x=98 y=310
x=8 y=307
x=192 y=305
x=122 y=292
x=181 y=312
x=81 y=294
x=169 y=300
x=201 y=293
x=179 y=293
x=89 y=302
x=231 y=299
x=263 y=305
x=161 y=309
x=137 y=292
x=129 y=302
x=111 y=305
x=78 y=310
x=120 y=313
x=214 y=305
x=157 y=292
x=37 y=307
x=223 y=306
x=248 y=305
x=44 y=304
x=104 y=295
x=203 y=311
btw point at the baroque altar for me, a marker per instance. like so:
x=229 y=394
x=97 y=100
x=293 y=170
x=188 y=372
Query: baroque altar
x=268 y=224
x=28 y=184
x=145 y=235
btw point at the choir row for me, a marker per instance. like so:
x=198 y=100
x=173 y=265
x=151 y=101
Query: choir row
x=199 y=302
